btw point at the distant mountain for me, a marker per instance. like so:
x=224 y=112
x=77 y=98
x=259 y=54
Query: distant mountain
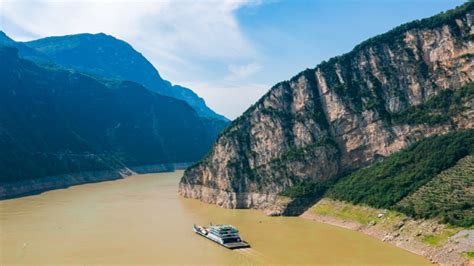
x=23 y=49
x=105 y=56
x=55 y=122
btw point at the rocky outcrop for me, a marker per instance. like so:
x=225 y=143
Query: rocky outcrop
x=339 y=116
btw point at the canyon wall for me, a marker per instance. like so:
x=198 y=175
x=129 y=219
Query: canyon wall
x=342 y=115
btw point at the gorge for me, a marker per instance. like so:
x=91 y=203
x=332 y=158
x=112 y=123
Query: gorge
x=379 y=140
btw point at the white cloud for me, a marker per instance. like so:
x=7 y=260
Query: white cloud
x=243 y=71
x=186 y=40
x=198 y=28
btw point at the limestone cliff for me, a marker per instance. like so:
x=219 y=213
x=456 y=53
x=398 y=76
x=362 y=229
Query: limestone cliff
x=342 y=115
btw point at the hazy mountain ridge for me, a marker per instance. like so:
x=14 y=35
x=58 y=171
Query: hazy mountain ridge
x=343 y=115
x=103 y=55
x=56 y=121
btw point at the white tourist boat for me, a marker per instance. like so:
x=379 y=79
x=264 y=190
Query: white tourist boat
x=225 y=235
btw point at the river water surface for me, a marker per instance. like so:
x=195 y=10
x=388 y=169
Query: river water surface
x=141 y=219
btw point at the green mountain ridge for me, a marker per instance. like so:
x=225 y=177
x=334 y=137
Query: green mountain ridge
x=57 y=121
x=105 y=56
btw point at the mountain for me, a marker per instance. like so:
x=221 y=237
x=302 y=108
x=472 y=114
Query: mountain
x=23 y=49
x=105 y=56
x=56 y=122
x=354 y=110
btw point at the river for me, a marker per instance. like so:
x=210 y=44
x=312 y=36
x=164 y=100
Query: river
x=141 y=219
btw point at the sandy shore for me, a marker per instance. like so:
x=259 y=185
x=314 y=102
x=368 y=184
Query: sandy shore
x=406 y=234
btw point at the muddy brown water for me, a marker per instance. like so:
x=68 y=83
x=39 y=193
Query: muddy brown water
x=142 y=220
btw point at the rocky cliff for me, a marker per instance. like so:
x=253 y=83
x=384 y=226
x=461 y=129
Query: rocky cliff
x=342 y=115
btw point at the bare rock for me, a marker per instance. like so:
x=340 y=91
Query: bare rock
x=399 y=225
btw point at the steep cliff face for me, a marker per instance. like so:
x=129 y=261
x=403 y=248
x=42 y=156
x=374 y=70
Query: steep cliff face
x=340 y=116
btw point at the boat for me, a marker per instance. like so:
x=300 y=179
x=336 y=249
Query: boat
x=224 y=235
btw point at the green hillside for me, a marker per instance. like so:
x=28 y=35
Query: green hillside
x=449 y=195
x=386 y=183
x=56 y=121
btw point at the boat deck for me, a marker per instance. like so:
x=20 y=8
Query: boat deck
x=236 y=245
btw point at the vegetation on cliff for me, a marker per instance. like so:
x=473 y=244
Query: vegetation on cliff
x=439 y=109
x=362 y=96
x=433 y=178
x=386 y=183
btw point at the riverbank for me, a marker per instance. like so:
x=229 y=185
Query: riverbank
x=39 y=185
x=439 y=243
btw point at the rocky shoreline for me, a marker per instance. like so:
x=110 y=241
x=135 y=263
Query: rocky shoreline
x=39 y=185
x=271 y=204
x=406 y=233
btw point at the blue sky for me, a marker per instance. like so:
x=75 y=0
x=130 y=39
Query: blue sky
x=229 y=51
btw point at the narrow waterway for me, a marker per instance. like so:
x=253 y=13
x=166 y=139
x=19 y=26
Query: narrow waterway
x=141 y=219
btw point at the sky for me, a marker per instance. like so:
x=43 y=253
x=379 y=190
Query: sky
x=230 y=52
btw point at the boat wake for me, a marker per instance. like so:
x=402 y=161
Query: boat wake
x=254 y=255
